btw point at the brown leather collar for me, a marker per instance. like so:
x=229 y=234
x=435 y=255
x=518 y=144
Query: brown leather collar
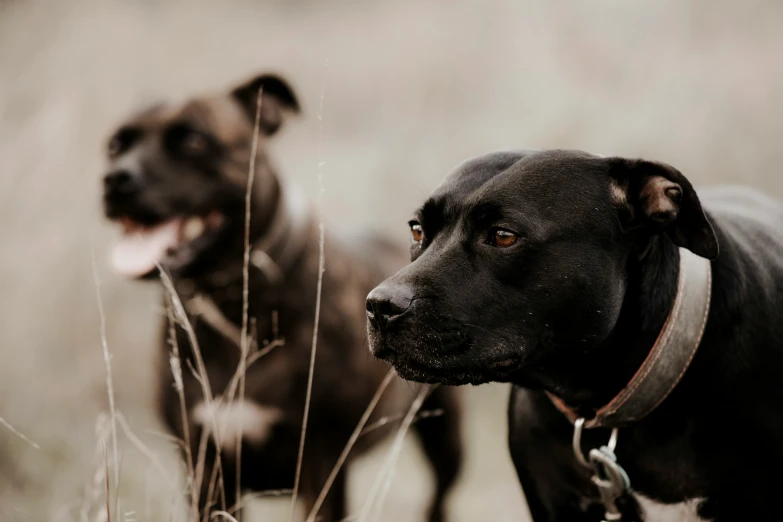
x=670 y=356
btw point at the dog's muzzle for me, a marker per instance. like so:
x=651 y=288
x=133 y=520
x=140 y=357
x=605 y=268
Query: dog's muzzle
x=386 y=304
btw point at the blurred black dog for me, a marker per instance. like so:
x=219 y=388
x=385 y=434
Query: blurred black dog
x=565 y=274
x=177 y=184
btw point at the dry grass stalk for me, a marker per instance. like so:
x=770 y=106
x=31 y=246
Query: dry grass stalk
x=182 y=318
x=96 y=488
x=176 y=369
x=383 y=421
x=243 y=345
x=257 y=495
x=145 y=450
x=201 y=375
x=198 y=480
x=117 y=502
x=107 y=362
x=108 y=486
x=223 y=514
x=383 y=480
x=319 y=288
x=215 y=484
x=18 y=433
x=176 y=441
x=351 y=441
x=263 y=351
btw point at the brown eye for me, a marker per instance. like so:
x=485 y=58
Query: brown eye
x=194 y=143
x=123 y=140
x=114 y=148
x=503 y=238
x=417 y=234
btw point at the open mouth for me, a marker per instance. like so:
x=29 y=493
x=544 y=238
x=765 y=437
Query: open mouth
x=171 y=243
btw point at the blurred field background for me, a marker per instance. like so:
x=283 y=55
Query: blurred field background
x=410 y=88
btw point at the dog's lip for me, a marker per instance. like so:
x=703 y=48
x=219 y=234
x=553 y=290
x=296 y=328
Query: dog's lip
x=210 y=219
x=503 y=364
x=143 y=245
x=449 y=372
x=453 y=376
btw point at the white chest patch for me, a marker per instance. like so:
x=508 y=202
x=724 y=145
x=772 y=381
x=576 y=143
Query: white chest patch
x=253 y=421
x=653 y=511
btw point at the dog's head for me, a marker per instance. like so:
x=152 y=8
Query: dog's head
x=520 y=256
x=177 y=176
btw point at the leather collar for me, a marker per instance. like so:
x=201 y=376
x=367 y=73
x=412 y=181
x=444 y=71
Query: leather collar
x=287 y=237
x=273 y=255
x=669 y=357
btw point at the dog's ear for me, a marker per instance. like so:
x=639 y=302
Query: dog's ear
x=277 y=98
x=657 y=195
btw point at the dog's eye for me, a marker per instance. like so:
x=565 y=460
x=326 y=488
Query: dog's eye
x=122 y=141
x=194 y=143
x=417 y=234
x=115 y=147
x=503 y=238
x=184 y=140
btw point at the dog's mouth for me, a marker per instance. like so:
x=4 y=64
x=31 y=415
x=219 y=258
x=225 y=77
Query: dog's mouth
x=172 y=243
x=452 y=373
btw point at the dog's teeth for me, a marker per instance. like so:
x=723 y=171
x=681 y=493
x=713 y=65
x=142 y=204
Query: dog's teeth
x=193 y=228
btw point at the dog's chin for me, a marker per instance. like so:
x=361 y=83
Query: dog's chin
x=174 y=244
x=453 y=374
x=416 y=373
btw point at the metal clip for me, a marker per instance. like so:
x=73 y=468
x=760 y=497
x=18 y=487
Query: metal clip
x=609 y=477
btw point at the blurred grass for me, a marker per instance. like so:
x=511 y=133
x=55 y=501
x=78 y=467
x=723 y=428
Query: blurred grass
x=411 y=89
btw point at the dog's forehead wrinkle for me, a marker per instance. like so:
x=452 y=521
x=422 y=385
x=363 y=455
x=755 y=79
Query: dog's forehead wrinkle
x=475 y=172
x=203 y=114
x=218 y=116
x=529 y=178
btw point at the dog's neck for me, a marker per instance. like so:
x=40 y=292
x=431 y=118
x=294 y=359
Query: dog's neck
x=587 y=382
x=277 y=228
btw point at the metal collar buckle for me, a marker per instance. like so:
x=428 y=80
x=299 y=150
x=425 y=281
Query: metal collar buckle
x=609 y=477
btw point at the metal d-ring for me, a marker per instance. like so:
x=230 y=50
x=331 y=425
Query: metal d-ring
x=577 y=442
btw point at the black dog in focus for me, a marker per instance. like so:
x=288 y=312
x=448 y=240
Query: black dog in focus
x=567 y=266
x=177 y=184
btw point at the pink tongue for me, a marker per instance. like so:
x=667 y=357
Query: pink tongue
x=137 y=252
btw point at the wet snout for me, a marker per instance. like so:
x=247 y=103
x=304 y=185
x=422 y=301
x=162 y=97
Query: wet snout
x=388 y=302
x=123 y=182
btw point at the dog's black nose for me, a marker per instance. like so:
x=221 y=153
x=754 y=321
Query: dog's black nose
x=120 y=182
x=386 y=303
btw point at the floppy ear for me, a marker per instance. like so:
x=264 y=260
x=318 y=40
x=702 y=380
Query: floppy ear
x=277 y=97
x=657 y=195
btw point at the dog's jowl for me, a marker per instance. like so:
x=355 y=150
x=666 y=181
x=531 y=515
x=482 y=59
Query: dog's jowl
x=177 y=185
x=613 y=297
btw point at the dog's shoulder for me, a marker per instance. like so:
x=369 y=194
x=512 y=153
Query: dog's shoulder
x=749 y=222
x=743 y=201
x=747 y=288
